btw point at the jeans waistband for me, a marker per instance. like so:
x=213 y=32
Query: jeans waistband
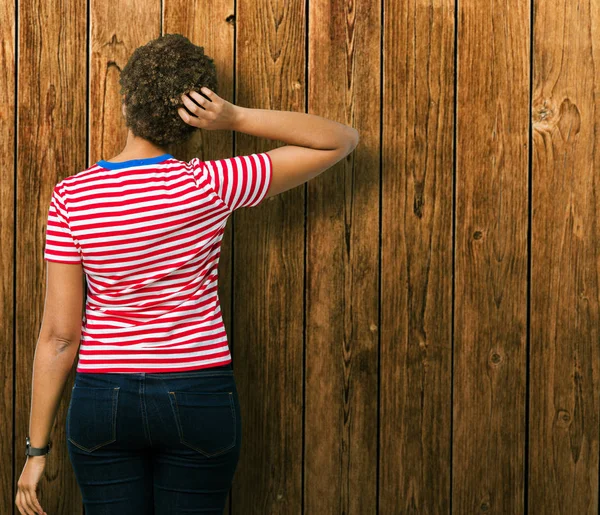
x=223 y=370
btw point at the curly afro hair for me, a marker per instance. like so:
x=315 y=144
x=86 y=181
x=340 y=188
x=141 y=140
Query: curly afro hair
x=153 y=81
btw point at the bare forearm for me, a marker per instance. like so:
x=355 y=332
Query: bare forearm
x=302 y=129
x=51 y=367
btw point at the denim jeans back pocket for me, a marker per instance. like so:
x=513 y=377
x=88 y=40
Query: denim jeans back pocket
x=92 y=417
x=205 y=420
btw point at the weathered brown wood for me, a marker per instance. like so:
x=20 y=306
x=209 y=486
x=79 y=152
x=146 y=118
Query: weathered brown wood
x=342 y=249
x=50 y=146
x=490 y=324
x=9 y=462
x=268 y=272
x=113 y=39
x=565 y=261
x=348 y=400
x=416 y=258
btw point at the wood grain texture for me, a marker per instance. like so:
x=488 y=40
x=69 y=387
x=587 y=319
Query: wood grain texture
x=51 y=137
x=112 y=40
x=342 y=263
x=413 y=332
x=490 y=308
x=565 y=260
x=9 y=462
x=416 y=258
x=268 y=272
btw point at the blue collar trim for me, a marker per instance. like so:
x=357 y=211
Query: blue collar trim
x=134 y=162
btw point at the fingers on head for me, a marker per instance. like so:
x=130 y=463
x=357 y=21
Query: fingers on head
x=198 y=105
x=191 y=105
x=185 y=116
x=206 y=104
x=210 y=97
x=190 y=119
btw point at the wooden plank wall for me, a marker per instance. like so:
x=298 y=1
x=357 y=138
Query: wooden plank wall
x=413 y=331
x=565 y=259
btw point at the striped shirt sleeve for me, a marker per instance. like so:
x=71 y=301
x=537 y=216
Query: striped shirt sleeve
x=241 y=181
x=60 y=246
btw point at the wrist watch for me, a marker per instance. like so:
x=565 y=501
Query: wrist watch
x=36 y=451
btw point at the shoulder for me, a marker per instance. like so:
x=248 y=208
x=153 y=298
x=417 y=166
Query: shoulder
x=82 y=178
x=198 y=168
x=67 y=185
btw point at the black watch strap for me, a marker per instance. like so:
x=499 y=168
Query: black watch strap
x=36 y=451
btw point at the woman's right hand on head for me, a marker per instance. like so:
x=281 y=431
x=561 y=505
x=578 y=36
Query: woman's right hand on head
x=212 y=114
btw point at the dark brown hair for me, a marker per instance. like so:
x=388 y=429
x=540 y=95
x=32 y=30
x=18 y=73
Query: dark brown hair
x=153 y=80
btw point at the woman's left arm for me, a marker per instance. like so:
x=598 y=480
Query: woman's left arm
x=57 y=346
x=55 y=354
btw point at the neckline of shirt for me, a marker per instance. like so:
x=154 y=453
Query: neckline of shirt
x=134 y=162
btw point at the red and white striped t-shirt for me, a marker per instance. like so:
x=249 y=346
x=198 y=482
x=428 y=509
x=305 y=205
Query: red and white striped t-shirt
x=148 y=233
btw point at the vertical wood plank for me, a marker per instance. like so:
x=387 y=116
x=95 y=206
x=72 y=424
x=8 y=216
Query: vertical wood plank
x=342 y=266
x=416 y=261
x=113 y=38
x=565 y=378
x=216 y=34
x=491 y=257
x=50 y=146
x=268 y=272
x=10 y=463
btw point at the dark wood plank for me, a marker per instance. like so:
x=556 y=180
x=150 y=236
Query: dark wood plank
x=491 y=258
x=51 y=146
x=342 y=290
x=10 y=463
x=416 y=258
x=113 y=39
x=565 y=261
x=268 y=273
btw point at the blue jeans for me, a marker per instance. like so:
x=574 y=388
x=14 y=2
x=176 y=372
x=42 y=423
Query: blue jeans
x=154 y=443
